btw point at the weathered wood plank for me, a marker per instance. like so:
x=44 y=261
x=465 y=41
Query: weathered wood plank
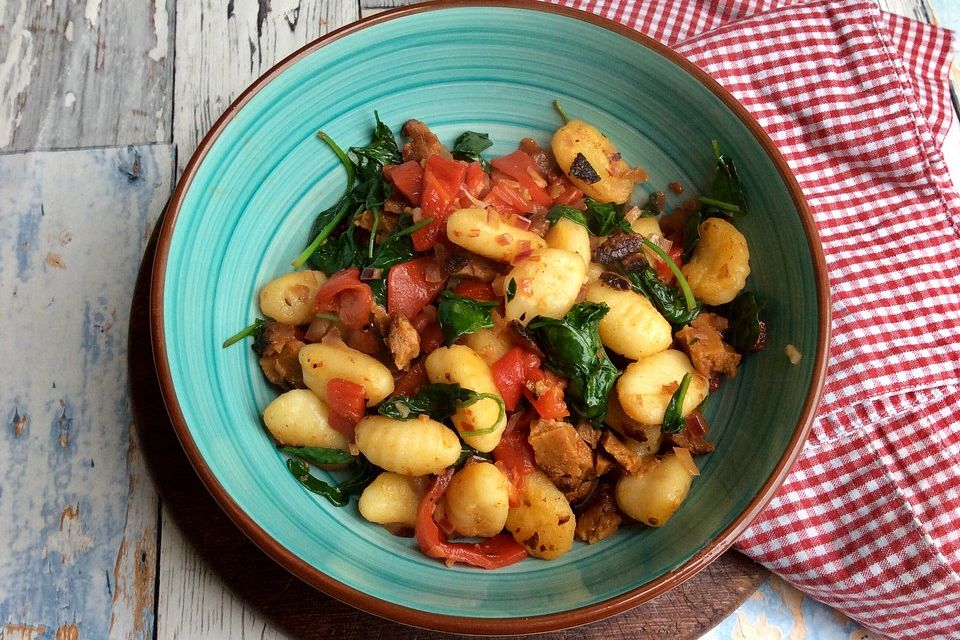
x=224 y=46
x=85 y=74
x=78 y=516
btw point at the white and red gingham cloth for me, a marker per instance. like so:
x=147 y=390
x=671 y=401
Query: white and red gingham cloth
x=857 y=101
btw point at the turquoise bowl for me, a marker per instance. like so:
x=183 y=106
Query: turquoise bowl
x=243 y=210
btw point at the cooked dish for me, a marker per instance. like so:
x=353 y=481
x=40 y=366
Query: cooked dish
x=501 y=356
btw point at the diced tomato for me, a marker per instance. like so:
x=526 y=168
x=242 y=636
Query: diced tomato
x=408 y=290
x=663 y=271
x=431 y=338
x=347 y=404
x=475 y=290
x=407 y=178
x=499 y=551
x=364 y=339
x=442 y=178
x=476 y=180
x=549 y=405
x=521 y=167
x=514 y=455
x=569 y=196
x=345 y=295
x=409 y=382
x=510 y=375
x=506 y=195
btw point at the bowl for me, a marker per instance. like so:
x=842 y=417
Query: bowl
x=243 y=209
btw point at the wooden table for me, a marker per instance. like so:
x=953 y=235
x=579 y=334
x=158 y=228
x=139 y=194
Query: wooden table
x=101 y=104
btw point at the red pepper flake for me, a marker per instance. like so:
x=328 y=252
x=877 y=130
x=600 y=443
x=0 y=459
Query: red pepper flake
x=473 y=233
x=505 y=238
x=520 y=222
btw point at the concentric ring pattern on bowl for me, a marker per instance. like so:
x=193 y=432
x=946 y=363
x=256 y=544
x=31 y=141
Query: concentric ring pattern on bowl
x=243 y=212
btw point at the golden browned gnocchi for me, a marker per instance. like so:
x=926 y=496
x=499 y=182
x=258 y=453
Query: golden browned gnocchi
x=392 y=499
x=646 y=386
x=592 y=162
x=290 y=298
x=490 y=235
x=543 y=522
x=408 y=447
x=546 y=283
x=652 y=497
x=468 y=341
x=461 y=365
x=478 y=500
x=720 y=264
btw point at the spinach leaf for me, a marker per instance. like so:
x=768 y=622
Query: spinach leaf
x=459 y=316
x=673 y=421
x=467 y=452
x=747 y=331
x=669 y=301
x=470 y=145
x=439 y=401
x=573 y=350
x=691 y=234
x=511 y=289
x=564 y=211
x=654 y=206
x=255 y=330
x=383 y=147
x=604 y=217
x=339 y=494
x=338 y=252
x=319 y=455
x=725 y=197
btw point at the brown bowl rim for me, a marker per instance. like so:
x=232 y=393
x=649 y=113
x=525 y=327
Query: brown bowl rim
x=463 y=624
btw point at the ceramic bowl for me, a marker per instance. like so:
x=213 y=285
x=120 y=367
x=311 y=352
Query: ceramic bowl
x=243 y=210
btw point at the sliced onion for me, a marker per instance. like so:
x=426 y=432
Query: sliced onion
x=684 y=457
x=371 y=273
x=431 y=272
x=493 y=218
x=521 y=222
x=317 y=329
x=536 y=177
x=504 y=239
x=479 y=204
x=632 y=214
x=661 y=242
x=417 y=214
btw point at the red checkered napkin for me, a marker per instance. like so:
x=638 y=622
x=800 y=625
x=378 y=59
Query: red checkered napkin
x=857 y=101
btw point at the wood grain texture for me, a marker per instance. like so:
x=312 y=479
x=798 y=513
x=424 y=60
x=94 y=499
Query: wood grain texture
x=215 y=583
x=78 y=517
x=222 y=47
x=77 y=74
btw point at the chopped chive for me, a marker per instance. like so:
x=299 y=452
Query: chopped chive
x=500 y=414
x=720 y=204
x=414 y=227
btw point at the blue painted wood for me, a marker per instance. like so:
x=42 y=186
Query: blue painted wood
x=78 y=516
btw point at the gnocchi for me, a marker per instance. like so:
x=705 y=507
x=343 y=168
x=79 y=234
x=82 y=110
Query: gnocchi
x=547 y=284
x=478 y=500
x=720 y=264
x=632 y=327
x=289 y=299
x=570 y=236
x=322 y=363
x=581 y=150
x=408 y=447
x=392 y=499
x=654 y=496
x=299 y=418
x=490 y=235
x=646 y=386
x=543 y=522
x=461 y=365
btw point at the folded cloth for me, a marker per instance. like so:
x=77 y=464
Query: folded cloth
x=868 y=520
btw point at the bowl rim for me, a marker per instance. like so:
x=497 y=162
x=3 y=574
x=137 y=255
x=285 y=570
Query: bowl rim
x=464 y=624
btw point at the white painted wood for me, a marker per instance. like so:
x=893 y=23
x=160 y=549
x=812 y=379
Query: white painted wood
x=78 y=516
x=194 y=604
x=88 y=74
x=222 y=47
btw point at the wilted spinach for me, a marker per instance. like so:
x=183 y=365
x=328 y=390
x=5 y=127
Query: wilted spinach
x=319 y=455
x=725 y=197
x=746 y=331
x=459 y=316
x=604 y=217
x=439 y=401
x=673 y=421
x=568 y=212
x=469 y=145
x=573 y=349
x=382 y=148
x=669 y=301
x=338 y=494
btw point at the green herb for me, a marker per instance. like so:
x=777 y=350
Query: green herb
x=467 y=452
x=383 y=147
x=470 y=145
x=673 y=421
x=327 y=316
x=746 y=330
x=573 y=350
x=339 y=494
x=255 y=330
x=603 y=217
x=511 y=289
x=440 y=401
x=319 y=455
x=654 y=205
x=459 y=316
x=337 y=253
x=684 y=285
x=373 y=231
x=669 y=301
x=561 y=111
x=726 y=193
x=564 y=211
